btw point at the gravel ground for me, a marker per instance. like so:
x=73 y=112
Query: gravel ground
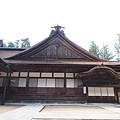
x=76 y=109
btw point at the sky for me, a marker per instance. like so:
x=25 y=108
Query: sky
x=84 y=20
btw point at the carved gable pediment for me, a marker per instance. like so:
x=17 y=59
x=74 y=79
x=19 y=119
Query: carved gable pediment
x=57 y=46
x=56 y=50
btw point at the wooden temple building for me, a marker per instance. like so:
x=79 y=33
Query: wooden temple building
x=57 y=70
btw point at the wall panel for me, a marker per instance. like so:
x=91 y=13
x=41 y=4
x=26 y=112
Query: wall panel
x=42 y=83
x=50 y=82
x=22 y=82
x=70 y=83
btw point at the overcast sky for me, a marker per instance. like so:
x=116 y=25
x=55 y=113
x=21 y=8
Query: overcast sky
x=84 y=20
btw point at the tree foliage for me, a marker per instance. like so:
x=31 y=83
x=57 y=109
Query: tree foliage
x=94 y=49
x=105 y=53
x=117 y=48
x=25 y=43
x=17 y=43
x=10 y=44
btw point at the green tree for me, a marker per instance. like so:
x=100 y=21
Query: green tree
x=117 y=48
x=25 y=43
x=105 y=53
x=94 y=49
x=17 y=43
x=10 y=44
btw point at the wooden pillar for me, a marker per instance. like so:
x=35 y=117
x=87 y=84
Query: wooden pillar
x=27 y=82
x=65 y=82
x=5 y=85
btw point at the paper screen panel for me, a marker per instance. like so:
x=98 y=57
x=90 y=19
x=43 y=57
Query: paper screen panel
x=22 y=82
x=91 y=91
x=59 y=82
x=70 y=83
x=50 y=82
x=111 y=91
x=15 y=74
x=84 y=90
x=69 y=75
x=33 y=82
x=3 y=74
x=41 y=82
x=58 y=74
x=34 y=74
x=97 y=91
x=46 y=74
x=104 y=91
x=23 y=74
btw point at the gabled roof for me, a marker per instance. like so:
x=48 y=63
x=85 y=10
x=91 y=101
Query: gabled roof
x=3 y=66
x=56 y=47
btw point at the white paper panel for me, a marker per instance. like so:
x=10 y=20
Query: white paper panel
x=1 y=81
x=58 y=74
x=59 y=82
x=70 y=83
x=46 y=74
x=104 y=91
x=69 y=75
x=91 y=91
x=34 y=74
x=23 y=74
x=41 y=82
x=50 y=82
x=22 y=82
x=3 y=74
x=15 y=74
x=97 y=91
x=84 y=90
x=111 y=91
x=33 y=82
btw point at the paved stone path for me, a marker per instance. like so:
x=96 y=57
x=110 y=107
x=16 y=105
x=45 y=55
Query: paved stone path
x=35 y=111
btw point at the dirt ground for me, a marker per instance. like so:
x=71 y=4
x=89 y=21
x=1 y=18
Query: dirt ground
x=6 y=108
